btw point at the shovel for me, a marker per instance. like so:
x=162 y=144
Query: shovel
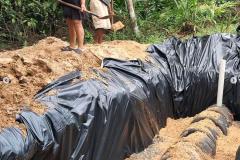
x=118 y=25
x=76 y=7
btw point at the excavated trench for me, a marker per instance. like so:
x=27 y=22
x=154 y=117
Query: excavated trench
x=122 y=108
x=211 y=135
x=198 y=140
x=33 y=67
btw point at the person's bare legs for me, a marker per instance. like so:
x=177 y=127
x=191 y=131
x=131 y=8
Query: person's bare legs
x=99 y=35
x=96 y=36
x=79 y=32
x=72 y=33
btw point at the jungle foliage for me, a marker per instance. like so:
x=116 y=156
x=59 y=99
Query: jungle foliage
x=22 y=21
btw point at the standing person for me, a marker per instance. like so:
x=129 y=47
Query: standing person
x=101 y=25
x=75 y=28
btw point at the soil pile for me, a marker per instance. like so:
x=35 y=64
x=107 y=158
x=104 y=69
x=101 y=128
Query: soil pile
x=31 y=68
x=123 y=50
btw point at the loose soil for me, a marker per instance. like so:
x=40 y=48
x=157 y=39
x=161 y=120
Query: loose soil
x=226 y=145
x=167 y=136
x=33 y=67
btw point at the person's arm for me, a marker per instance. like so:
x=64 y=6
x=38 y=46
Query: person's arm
x=83 y=5
x=110 y=10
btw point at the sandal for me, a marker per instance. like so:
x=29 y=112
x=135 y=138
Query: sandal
x=68 y=48
x=79 y=50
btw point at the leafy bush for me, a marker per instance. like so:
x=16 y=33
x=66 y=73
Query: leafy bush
x=24 y=20
x=21 y=19
x=199 y=13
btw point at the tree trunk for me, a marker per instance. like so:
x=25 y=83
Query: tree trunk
x=133 y=17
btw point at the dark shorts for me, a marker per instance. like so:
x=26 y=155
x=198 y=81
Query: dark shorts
x=71 y=13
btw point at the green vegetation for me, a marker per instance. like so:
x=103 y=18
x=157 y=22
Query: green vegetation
x=24 y=21
x=159 y=19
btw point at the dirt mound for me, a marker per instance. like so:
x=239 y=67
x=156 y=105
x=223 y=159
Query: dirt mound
x=31 y=68
x=123 y=50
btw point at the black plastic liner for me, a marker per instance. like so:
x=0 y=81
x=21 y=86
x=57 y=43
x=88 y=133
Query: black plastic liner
x=111 y=118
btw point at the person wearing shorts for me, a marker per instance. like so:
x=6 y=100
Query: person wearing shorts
x=100 y=25
x=75 y=28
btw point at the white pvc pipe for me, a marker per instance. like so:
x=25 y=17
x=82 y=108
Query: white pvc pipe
x=221 y=82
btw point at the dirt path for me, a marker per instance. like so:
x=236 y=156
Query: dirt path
x=33 y=67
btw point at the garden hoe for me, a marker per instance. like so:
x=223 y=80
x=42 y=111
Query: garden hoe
x=115 y=27
x=118 y=25
x=76 y=7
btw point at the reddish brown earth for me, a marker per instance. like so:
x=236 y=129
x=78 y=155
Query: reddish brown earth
x=33 y=67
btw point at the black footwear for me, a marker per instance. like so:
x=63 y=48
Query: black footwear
x=79 y=50
x=68 y=48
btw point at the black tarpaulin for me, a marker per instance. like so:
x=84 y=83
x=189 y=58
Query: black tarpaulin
x=192 y=69
x=111 y=118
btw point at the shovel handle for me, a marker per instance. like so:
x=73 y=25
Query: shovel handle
x=94 y=14
x=76 y=7
x=112 y=11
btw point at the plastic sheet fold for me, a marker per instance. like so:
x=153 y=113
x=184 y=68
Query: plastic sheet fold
x=110 y=119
